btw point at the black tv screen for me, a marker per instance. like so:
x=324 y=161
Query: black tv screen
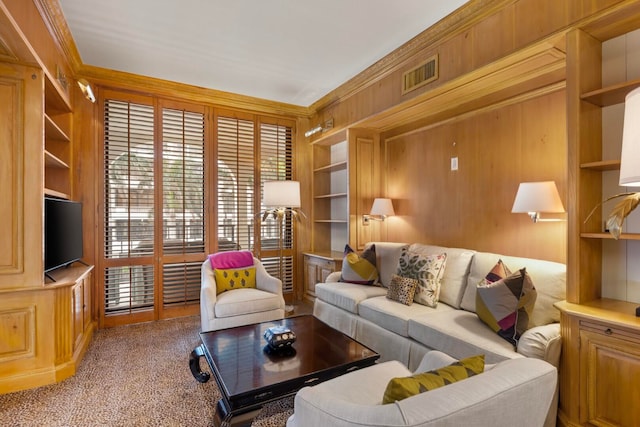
x=62 y=233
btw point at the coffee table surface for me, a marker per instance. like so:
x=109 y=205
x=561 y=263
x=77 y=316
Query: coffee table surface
x=249 y=376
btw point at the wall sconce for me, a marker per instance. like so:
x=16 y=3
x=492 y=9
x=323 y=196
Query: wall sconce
x=380 y=210
x=320 y=128
x=536 y=197
x=85 y=87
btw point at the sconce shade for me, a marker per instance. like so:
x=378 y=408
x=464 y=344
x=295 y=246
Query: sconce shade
x=537 y=197
x=85 y=87
x=279 y=194
x=382 y=207
x=630 y=158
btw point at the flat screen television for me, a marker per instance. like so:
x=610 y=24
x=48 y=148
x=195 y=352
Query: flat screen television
x=62 y=233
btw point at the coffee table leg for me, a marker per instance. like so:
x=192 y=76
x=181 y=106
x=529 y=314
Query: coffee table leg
x=194 y=365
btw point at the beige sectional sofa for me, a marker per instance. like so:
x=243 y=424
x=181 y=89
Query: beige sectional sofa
x=407 y=333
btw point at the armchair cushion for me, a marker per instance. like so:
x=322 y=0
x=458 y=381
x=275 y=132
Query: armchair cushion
x=235 y=278
x=245 y=301
x=231 y=259
x=402 y=387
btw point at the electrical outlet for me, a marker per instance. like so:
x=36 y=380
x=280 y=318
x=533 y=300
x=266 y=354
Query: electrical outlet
x=454 y=163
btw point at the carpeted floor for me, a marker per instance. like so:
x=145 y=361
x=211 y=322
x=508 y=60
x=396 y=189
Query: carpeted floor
x=134 y=375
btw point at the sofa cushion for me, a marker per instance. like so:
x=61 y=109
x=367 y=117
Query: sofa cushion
x=347 y=296
x=505 y=305
x=387 y=255
x=359 y=268
x=400 y=388
x=427 y=270
x=402 y=289
x=235 y=278
x=454 y=279
x=245 y=301
x=395 y=317
x=549 y=278
x=460 y=334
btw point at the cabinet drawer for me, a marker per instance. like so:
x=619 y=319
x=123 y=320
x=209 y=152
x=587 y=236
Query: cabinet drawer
x=611 y=331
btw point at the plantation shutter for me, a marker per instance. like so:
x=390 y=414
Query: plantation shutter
x=183 y=208
x=276 y=165
x=128 y=206
x=236 y=180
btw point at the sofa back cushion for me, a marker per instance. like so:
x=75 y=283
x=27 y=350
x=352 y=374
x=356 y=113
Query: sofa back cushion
x=549 y=279
x=387 y=256
x=454 y=279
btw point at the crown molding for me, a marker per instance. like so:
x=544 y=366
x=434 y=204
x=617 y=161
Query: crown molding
x=450 y=26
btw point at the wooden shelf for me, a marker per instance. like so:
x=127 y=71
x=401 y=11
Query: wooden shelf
x=603 y=165
x=615 y=311
x=623 y=236
x=53 y=131
x=54 y=193
x=610 y=95
x=52 y=161
x=330 y=196
x=55 y=99
x=334 y=167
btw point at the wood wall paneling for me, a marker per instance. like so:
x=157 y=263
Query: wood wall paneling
x=21 y=161
x=471 y=207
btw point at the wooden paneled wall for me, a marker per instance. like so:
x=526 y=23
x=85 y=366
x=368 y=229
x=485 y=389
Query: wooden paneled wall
x=471 y=207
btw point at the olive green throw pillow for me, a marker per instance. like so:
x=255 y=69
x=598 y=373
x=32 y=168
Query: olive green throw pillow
x=401 y=388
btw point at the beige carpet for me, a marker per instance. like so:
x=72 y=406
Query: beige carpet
x=134 y=375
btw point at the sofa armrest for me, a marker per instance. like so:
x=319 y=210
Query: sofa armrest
x=333 y=277
x=542 y=342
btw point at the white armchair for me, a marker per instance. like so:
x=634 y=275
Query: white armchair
x=239 y=306
x=517 y=392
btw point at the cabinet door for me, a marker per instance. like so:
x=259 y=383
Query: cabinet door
x=610 y=371
x=21 y=160
x=78 y=313
x=87 y=302
x=310 y=276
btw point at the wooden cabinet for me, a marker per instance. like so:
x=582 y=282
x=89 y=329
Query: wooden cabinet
x=317 y=266
x=600 y=366
x=82 y=312
x=606 y=338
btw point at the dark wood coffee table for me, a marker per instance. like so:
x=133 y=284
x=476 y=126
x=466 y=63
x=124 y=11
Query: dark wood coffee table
x=248 y=377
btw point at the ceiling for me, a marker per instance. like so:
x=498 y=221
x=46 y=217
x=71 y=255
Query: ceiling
x=291 y=51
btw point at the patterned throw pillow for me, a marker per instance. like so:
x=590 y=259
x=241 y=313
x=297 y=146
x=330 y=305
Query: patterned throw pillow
x=235 y=278
x=506 y=305
x=499 y=271
x=402 y=289
x=401 y=388
x=427 y=270
x=360 y=269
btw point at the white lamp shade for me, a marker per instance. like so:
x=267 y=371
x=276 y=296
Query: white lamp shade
x=281 y=194
x=537 y=197
x=382 y=207
x=630 y=158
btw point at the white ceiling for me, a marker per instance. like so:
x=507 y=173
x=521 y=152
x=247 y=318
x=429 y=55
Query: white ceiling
x=292 y=51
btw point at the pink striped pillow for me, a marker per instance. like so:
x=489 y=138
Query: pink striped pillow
x=231 y=259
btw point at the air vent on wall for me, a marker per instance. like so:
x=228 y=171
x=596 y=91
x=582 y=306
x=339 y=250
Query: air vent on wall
x=420 y=75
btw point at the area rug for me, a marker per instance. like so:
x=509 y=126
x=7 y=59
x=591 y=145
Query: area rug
x=135 y=375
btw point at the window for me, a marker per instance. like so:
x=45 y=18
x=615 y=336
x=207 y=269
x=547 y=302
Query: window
x=156 y=225
x=154 y=216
